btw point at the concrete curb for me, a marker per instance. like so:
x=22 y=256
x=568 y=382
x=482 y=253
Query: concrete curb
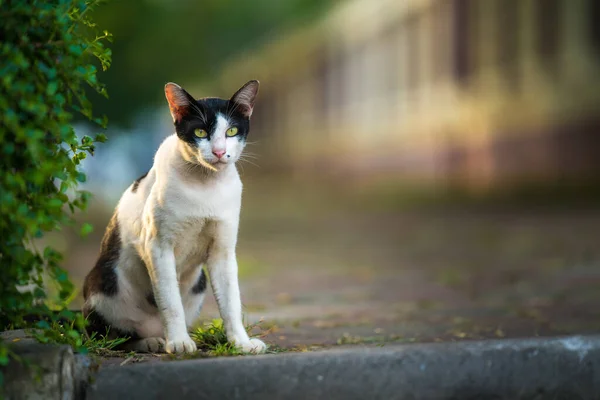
x=46 y=372
x=540 y=368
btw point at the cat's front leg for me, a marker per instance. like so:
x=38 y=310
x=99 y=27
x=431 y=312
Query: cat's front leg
x=223 y=270
x=163 y=276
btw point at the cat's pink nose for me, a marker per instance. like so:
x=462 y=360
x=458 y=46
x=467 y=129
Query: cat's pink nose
x=218 y=153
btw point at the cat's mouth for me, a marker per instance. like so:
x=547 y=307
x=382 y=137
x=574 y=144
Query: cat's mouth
x=218 y=164
x=212 y=163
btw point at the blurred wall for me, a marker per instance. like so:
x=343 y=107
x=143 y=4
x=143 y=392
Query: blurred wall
x=477 y=93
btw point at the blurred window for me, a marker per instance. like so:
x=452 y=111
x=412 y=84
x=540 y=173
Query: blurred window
x=549 y=29
x=337 y=95
x=594 y=25
x=465 y=35
x=412 y=40
x=440 y=39
x=323 y=92
x=363 y=85
x=391 y=38
x=508 y=28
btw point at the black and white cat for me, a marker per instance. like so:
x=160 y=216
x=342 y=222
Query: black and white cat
x=149 y=282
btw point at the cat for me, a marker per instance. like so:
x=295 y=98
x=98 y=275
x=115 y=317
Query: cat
x=149 y=281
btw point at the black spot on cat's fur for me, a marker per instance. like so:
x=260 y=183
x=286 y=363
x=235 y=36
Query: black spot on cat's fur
x=200 y=285
x=136 y=183
x=103 y=278
x=152 y=300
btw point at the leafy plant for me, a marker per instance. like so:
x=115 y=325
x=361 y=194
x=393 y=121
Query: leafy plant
x=47 y=50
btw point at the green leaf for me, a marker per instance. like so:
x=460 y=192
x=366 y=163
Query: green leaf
x=3 y=356
x=54 y=203
x=43 y=325
x=62 y=277
x=52 y=88
x=73 y=334
x=86 y=229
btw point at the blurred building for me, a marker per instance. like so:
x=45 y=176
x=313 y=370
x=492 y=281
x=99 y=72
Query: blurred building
x=475 y=92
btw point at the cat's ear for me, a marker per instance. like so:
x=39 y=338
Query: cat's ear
x=244 y=98
x=179 y=100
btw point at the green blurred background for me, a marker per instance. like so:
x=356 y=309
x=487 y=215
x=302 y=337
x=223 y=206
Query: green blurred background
x=430 y=155
x=158 y=41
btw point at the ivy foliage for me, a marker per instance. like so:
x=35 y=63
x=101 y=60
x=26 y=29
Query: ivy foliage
x=49 y=51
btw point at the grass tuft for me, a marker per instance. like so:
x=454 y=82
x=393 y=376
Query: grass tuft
x=67 y=333
x=211 y=338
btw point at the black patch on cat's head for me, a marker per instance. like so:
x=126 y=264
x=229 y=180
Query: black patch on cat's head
x=200 y=285
x=103 y=278
x=190 y=114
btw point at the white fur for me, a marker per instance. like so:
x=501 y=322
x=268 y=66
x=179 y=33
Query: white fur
x=181 y=217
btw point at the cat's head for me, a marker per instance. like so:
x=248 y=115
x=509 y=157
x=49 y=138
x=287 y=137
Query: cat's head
x=213 y=130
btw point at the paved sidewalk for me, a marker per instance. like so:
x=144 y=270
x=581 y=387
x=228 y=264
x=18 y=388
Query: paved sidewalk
x=320 y=270
x=327 y=274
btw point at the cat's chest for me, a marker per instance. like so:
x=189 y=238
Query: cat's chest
x=192 y=240
x=190 y=215
x=202 y=202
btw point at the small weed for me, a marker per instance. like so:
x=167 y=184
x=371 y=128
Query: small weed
x=225 y=349
x=211 y=338
x=450 y=277
x=349 y=339
x=101 y=343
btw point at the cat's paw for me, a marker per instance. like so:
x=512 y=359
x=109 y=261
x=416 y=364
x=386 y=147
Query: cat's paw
x=151 y=345
x=254 y=346
x=146 y=345
x=180 y=345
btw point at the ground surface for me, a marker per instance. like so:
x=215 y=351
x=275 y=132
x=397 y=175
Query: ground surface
x=320 y=271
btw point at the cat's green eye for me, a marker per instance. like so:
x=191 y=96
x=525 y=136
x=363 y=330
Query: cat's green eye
x=201 y=133
x=232 y=131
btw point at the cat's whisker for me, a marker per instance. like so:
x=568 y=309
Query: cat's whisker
x=236 y=105
x=249 y=162
x=242 y=167
x=195 y=106
x=199 y=111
